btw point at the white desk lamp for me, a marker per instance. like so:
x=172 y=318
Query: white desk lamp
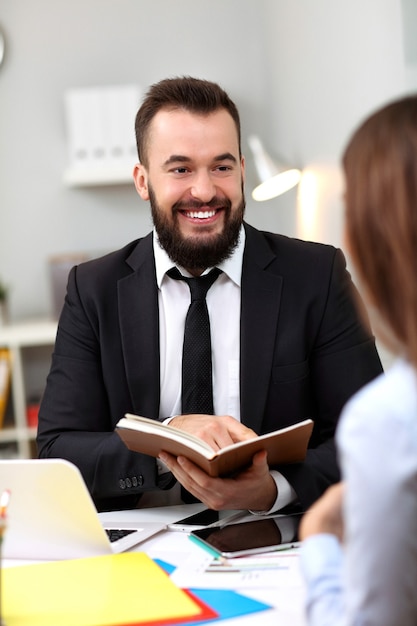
x=276 y=178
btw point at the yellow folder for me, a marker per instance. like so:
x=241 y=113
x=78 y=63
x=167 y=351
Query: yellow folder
x=125 y=589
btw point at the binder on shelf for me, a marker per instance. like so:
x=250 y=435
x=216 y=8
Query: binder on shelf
x=5 y=377
x=32 y=412
x=100 y=132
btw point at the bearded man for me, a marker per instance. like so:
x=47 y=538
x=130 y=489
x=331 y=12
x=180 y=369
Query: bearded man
x=287 y=342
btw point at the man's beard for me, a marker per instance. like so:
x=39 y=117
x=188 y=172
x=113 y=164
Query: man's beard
x=193 y=253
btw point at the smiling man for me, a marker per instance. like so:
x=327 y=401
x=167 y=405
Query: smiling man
x=286 y=340
x=195 y=163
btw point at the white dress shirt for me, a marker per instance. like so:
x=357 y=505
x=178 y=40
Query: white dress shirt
x=371 y=581
x=223 y=303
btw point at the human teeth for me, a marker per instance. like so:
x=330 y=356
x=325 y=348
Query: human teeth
x=201 y=214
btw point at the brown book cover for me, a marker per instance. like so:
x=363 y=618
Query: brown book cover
x=287 y=445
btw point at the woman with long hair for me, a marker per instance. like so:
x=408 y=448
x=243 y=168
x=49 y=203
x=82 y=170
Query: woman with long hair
x=359 y=550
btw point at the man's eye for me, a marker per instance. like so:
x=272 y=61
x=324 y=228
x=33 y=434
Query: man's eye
x=223 y=168
x=180 y=170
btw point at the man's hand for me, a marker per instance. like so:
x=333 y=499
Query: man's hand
x=325 y=515
x=253 y=488
x=218 y=431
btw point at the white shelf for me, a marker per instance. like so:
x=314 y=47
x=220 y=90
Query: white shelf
x=18 y=338
x=95 y=176
x=28 y=333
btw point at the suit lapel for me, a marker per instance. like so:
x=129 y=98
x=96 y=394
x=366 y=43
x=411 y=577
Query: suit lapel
x=139 y=327
x=261 y=296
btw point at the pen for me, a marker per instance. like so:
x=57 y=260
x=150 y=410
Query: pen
x=205 y=547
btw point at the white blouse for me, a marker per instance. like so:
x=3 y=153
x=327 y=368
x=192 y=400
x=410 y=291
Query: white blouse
x=372 y=580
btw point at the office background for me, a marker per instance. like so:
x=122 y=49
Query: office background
x=303 y=74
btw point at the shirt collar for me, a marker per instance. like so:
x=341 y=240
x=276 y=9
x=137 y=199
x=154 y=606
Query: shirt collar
x=232 y=266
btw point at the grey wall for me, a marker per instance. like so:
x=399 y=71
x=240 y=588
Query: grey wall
x=303 y=74
x=53 y=46
x=341 y=60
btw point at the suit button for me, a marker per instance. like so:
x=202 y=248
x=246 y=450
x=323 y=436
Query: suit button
x=128 y=483
x=134 y=481
x=122 y=484
x=140 y=481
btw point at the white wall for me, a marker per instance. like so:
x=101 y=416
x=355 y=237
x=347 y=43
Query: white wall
x=303 y=74
x=332 y=62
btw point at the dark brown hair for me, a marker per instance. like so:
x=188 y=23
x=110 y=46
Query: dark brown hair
x=380 y=164
x=192 y=94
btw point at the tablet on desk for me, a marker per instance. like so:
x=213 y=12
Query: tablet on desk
x=259 y=535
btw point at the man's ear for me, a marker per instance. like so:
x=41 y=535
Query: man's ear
x=140 y=177
x=242 y=169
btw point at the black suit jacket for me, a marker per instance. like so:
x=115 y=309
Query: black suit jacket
x=304 y=352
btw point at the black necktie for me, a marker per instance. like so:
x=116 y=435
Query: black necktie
x=197 y=382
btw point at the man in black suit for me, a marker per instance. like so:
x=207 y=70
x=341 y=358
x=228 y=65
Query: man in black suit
x=287 y=342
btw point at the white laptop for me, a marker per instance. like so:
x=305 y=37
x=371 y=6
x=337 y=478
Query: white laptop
x=51 y=514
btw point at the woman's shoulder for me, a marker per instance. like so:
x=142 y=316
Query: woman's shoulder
x=391 y=397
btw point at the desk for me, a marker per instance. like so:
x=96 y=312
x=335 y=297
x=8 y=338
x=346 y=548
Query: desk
x=286 y=597
x=173 y=546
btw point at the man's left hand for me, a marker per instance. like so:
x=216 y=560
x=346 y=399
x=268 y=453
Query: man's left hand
x=254 y=488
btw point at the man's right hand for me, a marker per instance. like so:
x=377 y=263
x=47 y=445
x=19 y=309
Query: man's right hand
x=218 y=431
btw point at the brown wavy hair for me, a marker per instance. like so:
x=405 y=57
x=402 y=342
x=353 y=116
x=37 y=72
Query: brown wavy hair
x=380 y=165
x=185 y=92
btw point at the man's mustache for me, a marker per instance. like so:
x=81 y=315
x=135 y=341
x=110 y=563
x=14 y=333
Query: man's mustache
x=192 y=205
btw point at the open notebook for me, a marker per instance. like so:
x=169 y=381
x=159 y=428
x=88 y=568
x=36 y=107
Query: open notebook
x=51 y=514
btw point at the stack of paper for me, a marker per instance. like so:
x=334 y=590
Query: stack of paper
x=226 y=602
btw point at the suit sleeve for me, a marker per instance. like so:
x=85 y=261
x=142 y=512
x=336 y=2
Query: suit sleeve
x=77 y=417
x=342 y=359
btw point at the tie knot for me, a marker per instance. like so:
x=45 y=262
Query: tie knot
x=199 y=285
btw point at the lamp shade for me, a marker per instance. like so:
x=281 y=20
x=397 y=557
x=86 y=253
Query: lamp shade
x=275 y=178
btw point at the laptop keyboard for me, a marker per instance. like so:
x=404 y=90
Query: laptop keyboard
x=117 y=533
